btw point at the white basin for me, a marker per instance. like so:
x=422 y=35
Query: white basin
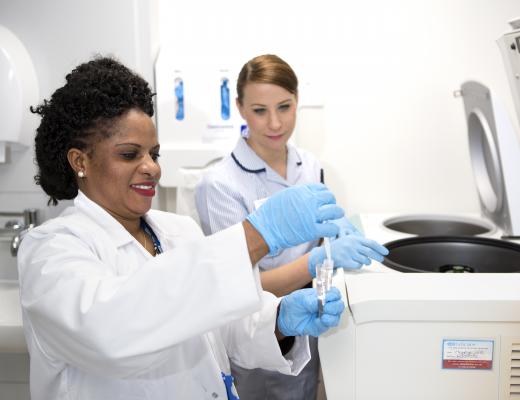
x=11 y=332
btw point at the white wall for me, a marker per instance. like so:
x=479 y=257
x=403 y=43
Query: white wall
x=395 y=137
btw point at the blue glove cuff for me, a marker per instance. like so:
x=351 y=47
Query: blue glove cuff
x=317 y=255
x=273 y=249
x=284 y=330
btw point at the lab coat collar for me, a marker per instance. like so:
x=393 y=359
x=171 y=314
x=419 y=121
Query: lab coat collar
x=245 y=157
x=114 y=229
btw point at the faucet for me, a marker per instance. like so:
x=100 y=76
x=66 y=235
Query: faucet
x=30 y=218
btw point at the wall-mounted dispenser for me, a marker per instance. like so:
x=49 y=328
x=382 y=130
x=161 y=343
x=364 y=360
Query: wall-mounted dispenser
x=18 y=91
x=197 y=120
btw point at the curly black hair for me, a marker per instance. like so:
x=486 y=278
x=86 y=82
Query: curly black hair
x=81 y=112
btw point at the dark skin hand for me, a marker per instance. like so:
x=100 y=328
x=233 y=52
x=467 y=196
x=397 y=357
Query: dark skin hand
x=256 y=245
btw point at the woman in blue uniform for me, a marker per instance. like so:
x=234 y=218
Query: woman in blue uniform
x=262 y=164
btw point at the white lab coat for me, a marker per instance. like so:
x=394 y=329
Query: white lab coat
x=103 y=319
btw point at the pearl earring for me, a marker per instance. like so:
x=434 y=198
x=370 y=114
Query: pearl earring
x=81 y=174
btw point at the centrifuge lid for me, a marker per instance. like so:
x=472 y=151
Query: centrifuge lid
x=485 y=154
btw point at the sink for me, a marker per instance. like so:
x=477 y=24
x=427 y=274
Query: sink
x=11 y=332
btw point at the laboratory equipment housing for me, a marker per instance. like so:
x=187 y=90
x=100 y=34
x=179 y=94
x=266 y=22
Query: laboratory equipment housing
x=440 y=317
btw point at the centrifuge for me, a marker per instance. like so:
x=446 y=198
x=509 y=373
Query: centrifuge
x=440 y=317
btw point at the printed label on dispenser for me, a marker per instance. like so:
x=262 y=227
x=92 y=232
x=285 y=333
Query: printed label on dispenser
x=217 y=131
x=467 y=354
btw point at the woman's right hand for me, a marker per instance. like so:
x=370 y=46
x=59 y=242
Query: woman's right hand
x=295 y=216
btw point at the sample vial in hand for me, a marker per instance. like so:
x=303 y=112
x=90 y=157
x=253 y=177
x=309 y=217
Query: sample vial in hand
x=324 y=272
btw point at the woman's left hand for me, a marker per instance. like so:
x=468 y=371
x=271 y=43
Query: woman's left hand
x=345 y=227
x=348 y=251
x=299 y=312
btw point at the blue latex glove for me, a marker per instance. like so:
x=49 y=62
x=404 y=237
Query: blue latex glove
x=346 y=227
x=298 y=314
x=295 y=215
x=348 y=251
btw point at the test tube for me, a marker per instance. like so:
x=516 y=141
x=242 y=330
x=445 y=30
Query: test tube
x=324 y=273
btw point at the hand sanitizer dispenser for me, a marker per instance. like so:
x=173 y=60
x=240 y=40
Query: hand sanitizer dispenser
x=18 y=91
x=197 y=120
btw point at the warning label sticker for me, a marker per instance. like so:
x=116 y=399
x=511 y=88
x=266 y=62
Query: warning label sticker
x=467 y=354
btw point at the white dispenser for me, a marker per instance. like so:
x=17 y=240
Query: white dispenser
x=18 y=91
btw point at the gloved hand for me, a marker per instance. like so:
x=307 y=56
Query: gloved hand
x=295 y=215
x=348 y=251
x=346 y=227
x=298 y=314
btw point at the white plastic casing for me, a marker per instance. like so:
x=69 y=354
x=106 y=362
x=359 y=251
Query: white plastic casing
x=18 y=91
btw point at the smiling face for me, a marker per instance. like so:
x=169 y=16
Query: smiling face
x=121 y=171
x=270 y=113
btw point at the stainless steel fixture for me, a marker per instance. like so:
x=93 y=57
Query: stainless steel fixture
x=17 y=226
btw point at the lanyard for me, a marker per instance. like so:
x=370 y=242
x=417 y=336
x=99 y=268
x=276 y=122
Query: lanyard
x=231 y=391
x=149 y=231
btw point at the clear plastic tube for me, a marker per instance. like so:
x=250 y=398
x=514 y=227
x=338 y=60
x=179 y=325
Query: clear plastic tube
x=326 y=244
x=324 y=272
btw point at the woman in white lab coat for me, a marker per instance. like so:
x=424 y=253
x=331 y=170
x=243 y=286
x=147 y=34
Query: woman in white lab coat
x=123 y=302
x=262 y=164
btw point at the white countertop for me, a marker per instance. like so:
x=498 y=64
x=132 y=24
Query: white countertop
x=11 y=331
